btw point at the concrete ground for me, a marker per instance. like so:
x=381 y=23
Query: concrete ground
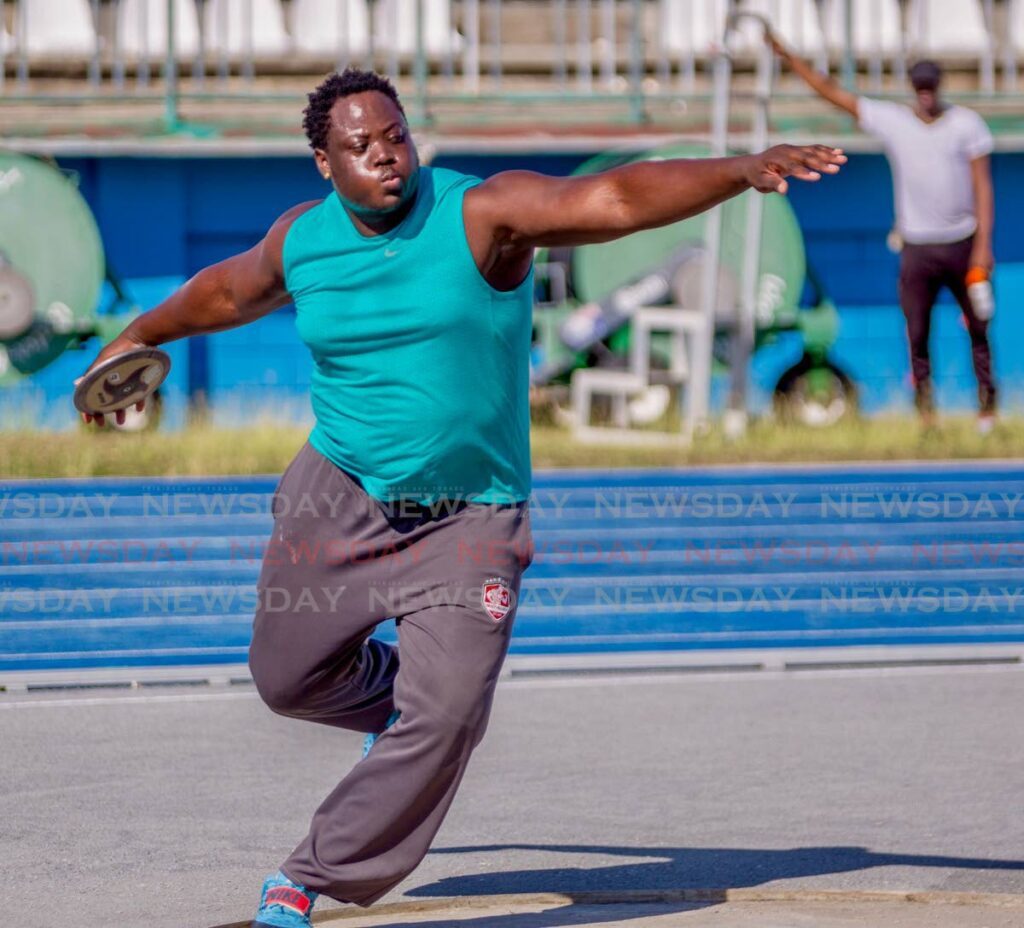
x=166 y=808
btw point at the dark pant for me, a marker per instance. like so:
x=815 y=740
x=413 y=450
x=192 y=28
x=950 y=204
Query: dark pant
x=339 y=563
x=924 y=271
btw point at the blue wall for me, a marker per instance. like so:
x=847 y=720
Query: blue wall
x=163 y=219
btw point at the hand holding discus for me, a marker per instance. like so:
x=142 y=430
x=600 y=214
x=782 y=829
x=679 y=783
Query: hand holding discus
x=124 y=374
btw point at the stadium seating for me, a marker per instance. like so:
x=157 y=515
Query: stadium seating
x=796 y=22
x=226 y=27
x=142 y=28
x=877 y=29
x=55 y=28
x=1014 y=37
x=330 y=27
x=692 y=28
x=947 y=28
x=395 y=27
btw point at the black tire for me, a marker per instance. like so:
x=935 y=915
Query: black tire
x=815 y=393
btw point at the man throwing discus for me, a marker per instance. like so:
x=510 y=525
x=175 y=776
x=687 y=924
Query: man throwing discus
x=413 y=291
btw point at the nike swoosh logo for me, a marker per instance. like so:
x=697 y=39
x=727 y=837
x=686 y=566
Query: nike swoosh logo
x=388 y=253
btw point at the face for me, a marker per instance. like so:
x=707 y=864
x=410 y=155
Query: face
x=370 y=157
x=928 y=99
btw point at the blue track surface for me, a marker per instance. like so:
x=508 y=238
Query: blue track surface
x=133 y=572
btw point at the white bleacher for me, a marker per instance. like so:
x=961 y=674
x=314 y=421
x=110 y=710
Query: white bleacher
x=796 y=22
x=947 y=28
x=692 y=28
x=1014 y=38
x=877 y=27
x=395 y=27
x=338 y=28
x=142 y=28
x=227 y=24
x=58 y=28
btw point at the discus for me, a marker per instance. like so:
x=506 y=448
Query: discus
x=121 y=381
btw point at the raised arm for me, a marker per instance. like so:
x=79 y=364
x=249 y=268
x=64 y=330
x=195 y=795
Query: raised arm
x=222 y=296
x=821 y=84
x=984 y=209
x=516 y=211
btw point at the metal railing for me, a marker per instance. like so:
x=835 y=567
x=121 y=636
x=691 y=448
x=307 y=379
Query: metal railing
x=461 y=51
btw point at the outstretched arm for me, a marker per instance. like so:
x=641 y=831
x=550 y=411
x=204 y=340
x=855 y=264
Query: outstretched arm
x=222 y=296
x=516 y=211
x=821 y=84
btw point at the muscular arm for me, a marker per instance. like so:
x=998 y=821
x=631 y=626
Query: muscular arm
x=821 y=84
x=225 y=295
x=516 y=211
x=984 y=210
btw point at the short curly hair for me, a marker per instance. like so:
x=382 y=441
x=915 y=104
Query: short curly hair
x=317 y=115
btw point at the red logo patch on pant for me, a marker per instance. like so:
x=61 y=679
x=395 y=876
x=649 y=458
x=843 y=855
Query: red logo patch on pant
x=497 y=598
x=290 y=898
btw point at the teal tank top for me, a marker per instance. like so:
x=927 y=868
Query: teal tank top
x=420 y=386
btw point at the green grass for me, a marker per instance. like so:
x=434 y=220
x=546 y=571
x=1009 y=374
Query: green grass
x=267 y=449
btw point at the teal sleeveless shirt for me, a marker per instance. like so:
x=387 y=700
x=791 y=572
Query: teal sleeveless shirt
x=421 y=368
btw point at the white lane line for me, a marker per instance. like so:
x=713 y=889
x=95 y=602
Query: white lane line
x=147 y=699
x=569 y=681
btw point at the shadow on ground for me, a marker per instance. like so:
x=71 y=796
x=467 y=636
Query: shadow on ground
x=675 y=869
x=682 y=868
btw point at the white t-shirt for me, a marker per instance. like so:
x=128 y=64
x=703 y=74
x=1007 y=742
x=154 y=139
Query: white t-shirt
x=930 y=164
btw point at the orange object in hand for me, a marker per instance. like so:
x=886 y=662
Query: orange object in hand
x=979 y=290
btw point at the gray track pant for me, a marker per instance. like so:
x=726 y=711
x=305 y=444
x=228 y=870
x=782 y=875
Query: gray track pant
x=338 y=564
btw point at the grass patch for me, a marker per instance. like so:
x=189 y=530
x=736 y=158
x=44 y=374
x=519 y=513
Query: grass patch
x=267 y=448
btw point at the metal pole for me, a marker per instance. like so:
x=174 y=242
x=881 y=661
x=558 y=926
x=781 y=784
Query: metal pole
x=495 y=8
x=558 y=10
x=849 y=58
x=704 y=353
x=21 y=30
x=94 y=61
x=142 y=65
x=171 y=121
x=393 y=63
x=248 y=43
x=583 y=60
x=471 y=60
x=746 y=321
x=637 y=110
x=1010 y=49
x=341 y=47
x=608 y=40
x=420 y=65
x=988 y=58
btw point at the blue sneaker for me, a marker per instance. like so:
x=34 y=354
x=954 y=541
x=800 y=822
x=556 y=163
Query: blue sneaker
x=371 y=738
x=284 y=904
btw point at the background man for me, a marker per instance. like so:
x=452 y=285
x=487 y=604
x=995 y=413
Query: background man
x=939 y=156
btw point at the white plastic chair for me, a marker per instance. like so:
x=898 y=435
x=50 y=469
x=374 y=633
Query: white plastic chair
x=57 y=28
x=877 y=28
x=692 y=28
x=330 y=27
x=226 y=27
x=150 y=41
x=395 y=27
x=954 y=28
x=796 y=22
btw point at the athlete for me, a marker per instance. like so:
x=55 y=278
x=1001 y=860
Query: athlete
x=413 y=291
x=945 y=210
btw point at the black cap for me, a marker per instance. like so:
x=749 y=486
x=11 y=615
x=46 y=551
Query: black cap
x=925 y=75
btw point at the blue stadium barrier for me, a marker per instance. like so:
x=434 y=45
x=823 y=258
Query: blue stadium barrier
x=144 y=572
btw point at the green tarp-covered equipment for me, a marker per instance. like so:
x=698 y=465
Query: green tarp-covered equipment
x=51 y=265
